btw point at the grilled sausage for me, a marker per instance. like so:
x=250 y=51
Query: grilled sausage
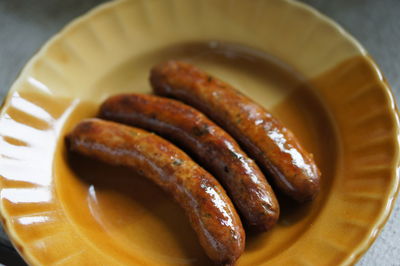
x=264 y=138
x=211 y=145
x=205 y=202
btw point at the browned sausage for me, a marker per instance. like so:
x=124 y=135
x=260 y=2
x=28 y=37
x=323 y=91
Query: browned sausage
x=205 y=202
x=211 y=146
x=273 y=146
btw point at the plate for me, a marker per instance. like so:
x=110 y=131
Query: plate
x=68 y=210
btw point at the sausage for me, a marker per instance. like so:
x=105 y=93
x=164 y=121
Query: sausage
x=273 y=146
x=204 y=201
x=217 y=151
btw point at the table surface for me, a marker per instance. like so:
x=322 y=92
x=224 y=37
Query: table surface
x=25 y=25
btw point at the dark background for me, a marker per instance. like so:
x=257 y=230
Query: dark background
x=26 y=24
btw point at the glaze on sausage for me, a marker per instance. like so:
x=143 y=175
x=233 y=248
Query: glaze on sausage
x=273 y=146
x=205 y=202
x=217 y=151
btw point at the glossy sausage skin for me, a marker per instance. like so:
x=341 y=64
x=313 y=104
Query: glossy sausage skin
x=217 y=151
x=264 y=138
x=205 y=202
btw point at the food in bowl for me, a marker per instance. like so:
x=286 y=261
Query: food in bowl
x=210 y=210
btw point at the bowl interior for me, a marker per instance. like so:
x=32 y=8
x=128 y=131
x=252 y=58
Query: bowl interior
x=138 y=218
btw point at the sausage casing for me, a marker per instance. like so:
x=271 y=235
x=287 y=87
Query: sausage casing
x=264 y=138
x=205 y=202
x=217 y=151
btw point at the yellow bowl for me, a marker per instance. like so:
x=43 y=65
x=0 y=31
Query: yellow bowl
x=68 y=210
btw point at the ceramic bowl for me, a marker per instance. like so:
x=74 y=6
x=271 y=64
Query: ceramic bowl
x=69 y=210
